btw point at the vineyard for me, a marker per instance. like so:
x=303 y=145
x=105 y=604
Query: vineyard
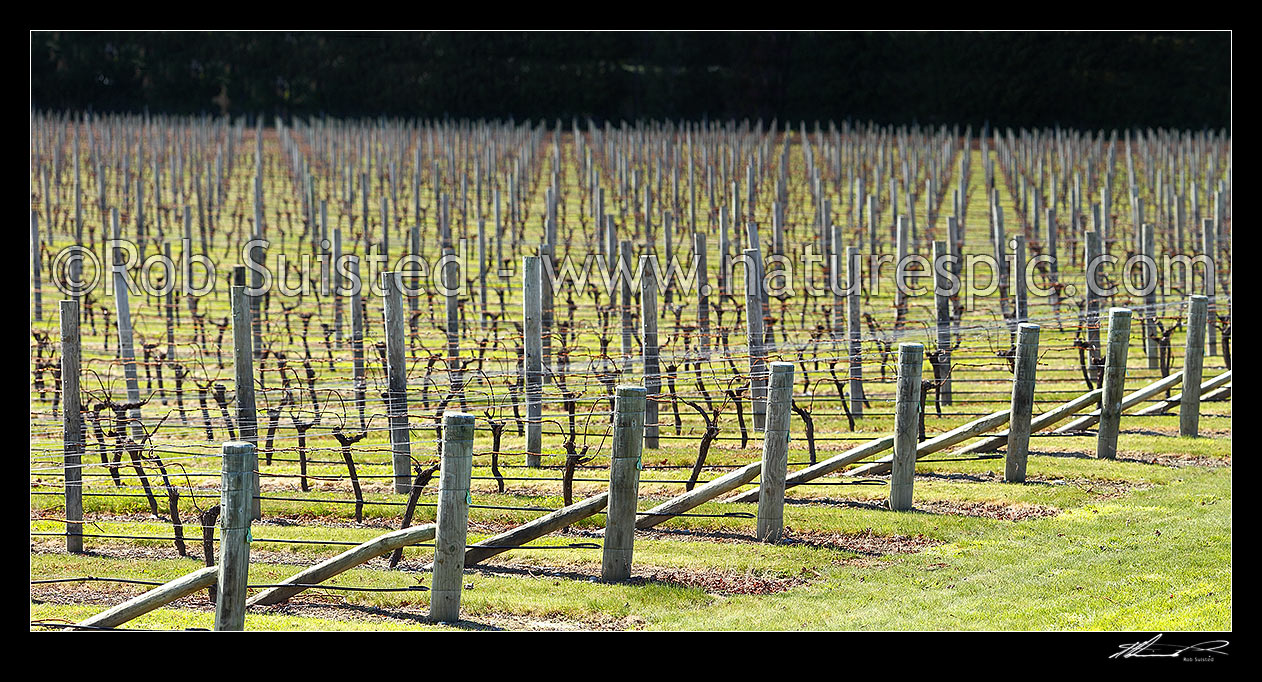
x=408 y=374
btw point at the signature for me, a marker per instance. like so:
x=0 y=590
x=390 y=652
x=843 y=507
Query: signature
x=1153 y=649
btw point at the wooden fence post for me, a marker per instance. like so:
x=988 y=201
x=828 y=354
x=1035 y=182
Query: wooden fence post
x=624 y=280
x=337 y=286
x=941 y=251
x=546 y=318
x=703 y=293
x=902 y=250
x=624 y=483
x=72 y=424
x=1106 y=212
x=170 y=308
x=775 y=454
x=482 y=268
x=243 y=369
x=652 y=367
x=1049 y=249
x=397 y=383
x=414 y=268
x=1193 y=362
x=906 y=425
x=874 y=244
x=853 y=291
x=257 y=255
x=126 y=345
x=236 y=491
x=453 y=517
x=755 y=337
x=451 y=282
x=1094 y=250
x=1022 y=403
x=155 y=598
x=725 y=264
x=1210 y=282
x=999 y=237
x=1148 y=328
x=35 y=265
x=358 y=376
x=532 y=368
x=834 y=283
x=1017 y=277
x=1114 y=382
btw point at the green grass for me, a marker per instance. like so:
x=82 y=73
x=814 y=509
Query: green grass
x=1158 y=559
x=1131 y=545
x=1152 y=558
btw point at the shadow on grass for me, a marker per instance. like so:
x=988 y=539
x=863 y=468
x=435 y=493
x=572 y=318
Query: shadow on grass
x=1159 y=460
x=944 y=508
x=390 y=613
x=715 y=582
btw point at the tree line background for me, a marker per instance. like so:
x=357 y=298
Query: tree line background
x=1085 y=80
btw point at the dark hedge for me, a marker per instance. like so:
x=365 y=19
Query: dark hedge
x=1084 y=80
